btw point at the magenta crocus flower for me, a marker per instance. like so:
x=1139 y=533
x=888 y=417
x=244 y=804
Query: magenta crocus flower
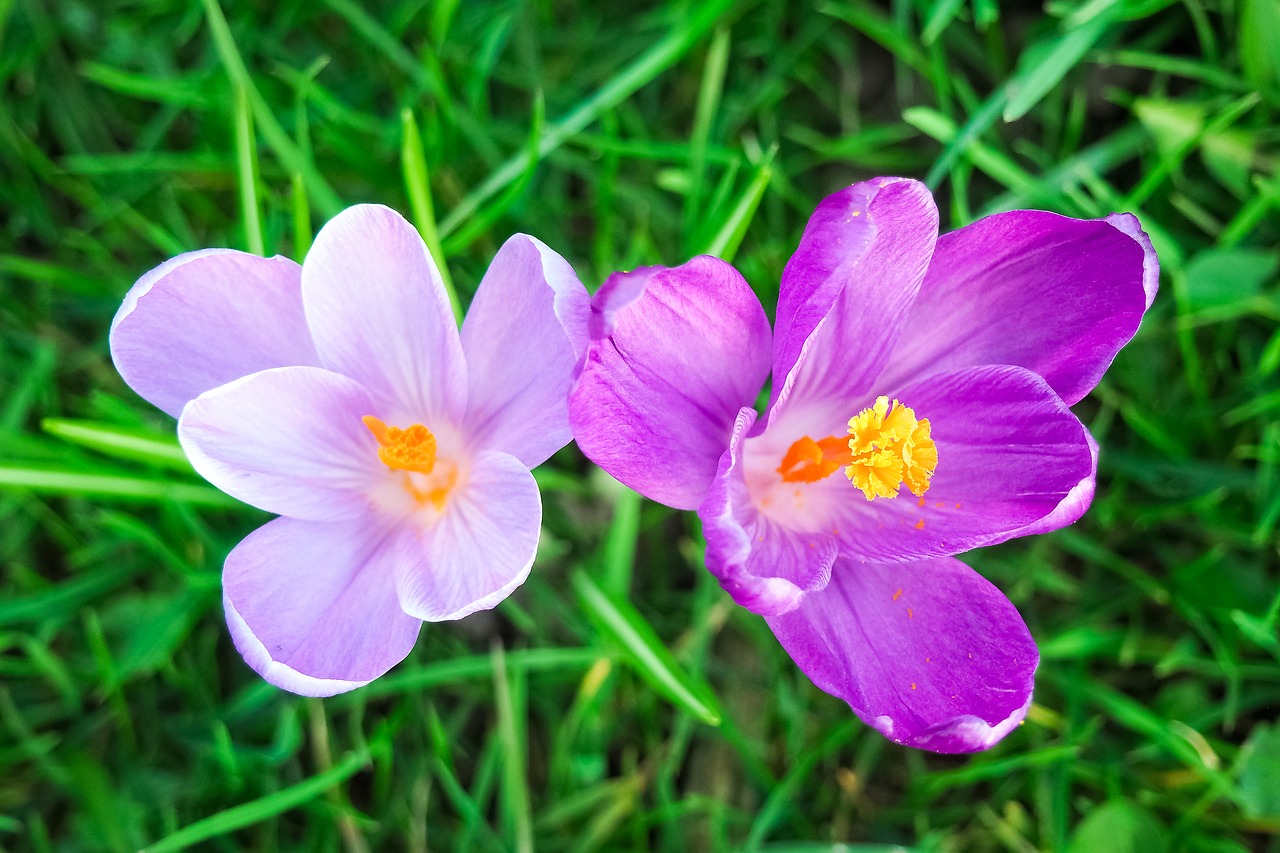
x=918 y=409
x=340 y=396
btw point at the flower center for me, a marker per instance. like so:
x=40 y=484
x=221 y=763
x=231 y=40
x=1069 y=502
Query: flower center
x=413 y=451
x=886 y=447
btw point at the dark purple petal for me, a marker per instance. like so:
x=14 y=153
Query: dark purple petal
x=523 y=336
x=289 y=441
x=205 y=318
x=930 y=654
x=847 y=289
x=766 y=566
x=479 y=549
x=1012 y=459
x=675 y=353
x=379 y=314
x=1055 y=295
x=1129 y=224
x=1074 y=504
x=312 y=605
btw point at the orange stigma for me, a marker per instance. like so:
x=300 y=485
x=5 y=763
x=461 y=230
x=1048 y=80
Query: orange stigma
x=886 y=447
x=411 y=449
x=808 y=461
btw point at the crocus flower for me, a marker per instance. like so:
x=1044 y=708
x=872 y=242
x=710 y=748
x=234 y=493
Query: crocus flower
x=918 y=409
x=340 y=396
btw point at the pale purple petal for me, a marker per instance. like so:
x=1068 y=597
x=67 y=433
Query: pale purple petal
x=675 y=353
x=766 y=566
x=1011 y=458
x=312 y=606
x=289 y=441
x=847 y=289
x=1055 y=295
x=930 y=654
x=379 y=314
x=523 y=336
x=201 y=319
x=478 y=549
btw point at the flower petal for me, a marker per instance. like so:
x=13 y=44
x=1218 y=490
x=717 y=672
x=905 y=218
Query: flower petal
x=201 y=319
x=1011 y=457
x=1129 y=224
x=523 y=336
x=674 y=354
x=379 y=314
x=1074 y=504
x=1055 y=295
x=479 y=549
x=930 y=654
x=847 y=289
x=767 y=568
x=289 y=441
x=312 y=606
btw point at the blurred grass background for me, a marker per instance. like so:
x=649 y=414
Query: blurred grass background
x=578 y=715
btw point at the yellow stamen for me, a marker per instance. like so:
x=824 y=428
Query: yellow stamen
x=410 y=449
x=886 y=447
x=890 y=448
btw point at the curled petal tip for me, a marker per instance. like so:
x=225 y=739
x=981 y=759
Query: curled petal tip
x=1129 y=224
x=963 y=734
x=274 y=672
x=930 y=654
x=205 y=318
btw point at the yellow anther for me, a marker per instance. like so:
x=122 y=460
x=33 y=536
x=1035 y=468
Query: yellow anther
x=409 y=449
x=877 y=473
x=890 y=448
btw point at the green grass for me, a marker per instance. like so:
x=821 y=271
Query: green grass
x=582 y=714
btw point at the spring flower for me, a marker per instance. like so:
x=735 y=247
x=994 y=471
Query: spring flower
x=340 y=396
x=918 y=409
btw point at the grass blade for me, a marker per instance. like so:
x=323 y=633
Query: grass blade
x=481 y=222
x=942 y=13
x=620 y=546
x=708 y=99
x=258 y=810
x=644 y=69
x=417 y=182
x=66 y=597
x=409 y=679
x=725 y=243
x=80 y=483
x=515 y=781
x=651 y=659
x=302 y=233
x=1043 y=65
x=289 y=153
x=121 y=442
x=247 y=174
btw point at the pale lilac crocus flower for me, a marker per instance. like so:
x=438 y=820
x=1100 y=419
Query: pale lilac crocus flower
x=918 y=409
x=339 y=395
